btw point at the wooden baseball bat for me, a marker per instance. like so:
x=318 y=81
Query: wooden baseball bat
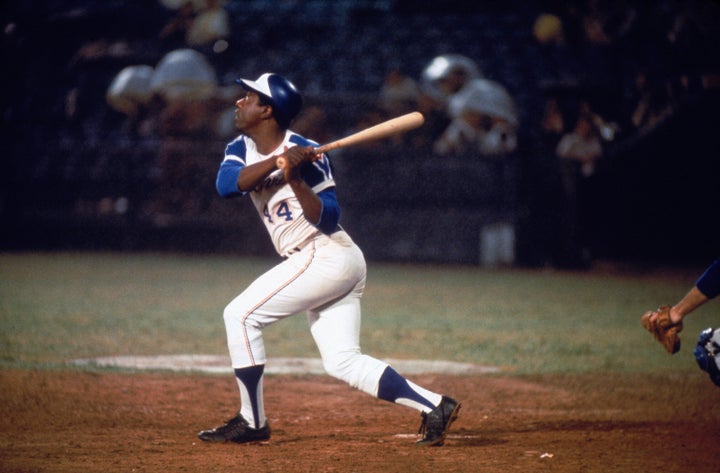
x=385 y=129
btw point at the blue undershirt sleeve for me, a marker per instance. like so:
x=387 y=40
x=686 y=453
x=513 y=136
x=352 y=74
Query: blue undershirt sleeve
x=709 y=282
x=330 y=214
x=227 y=177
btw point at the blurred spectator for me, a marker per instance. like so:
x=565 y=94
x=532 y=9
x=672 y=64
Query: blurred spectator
x=649 y=102
x=443 y=77
x=552 y=123
x=182 y=74
x=372 y=115
x=579 y=151
x=130 y=89
x=185 y=127
x=313 y=124
x=190 y=117
x=175 y=32
x=548 y=29
x=482 y=115
x=399 y=93
x=436 y=120
x=446 y=75
x=211 y=28
x=484 y=121
x=579 y=40
x=202 y=25
x=88 y=66
x=594 y=20
x=546 y=199
x=98 y=50
x=606 y=129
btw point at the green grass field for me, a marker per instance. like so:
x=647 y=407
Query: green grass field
x=56 y=307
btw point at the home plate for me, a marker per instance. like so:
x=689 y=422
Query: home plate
x=221 y=365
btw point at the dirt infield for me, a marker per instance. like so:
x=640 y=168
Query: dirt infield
x=94 y=421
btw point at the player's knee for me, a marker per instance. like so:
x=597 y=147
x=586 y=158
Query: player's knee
x=357 y=370
x=229 y=315
x=342 y=365
x=235 y=315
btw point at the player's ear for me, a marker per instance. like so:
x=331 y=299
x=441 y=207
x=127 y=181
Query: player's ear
x=267 y=112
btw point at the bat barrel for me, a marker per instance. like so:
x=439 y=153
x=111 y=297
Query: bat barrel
x=385 y=129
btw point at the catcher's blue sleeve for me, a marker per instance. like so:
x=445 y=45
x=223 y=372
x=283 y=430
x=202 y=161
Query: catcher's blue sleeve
x=709 y=282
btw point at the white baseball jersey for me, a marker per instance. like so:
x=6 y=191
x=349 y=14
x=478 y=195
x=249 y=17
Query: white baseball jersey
x=274 y=200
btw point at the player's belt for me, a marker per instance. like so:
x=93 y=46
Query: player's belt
x=298 y=248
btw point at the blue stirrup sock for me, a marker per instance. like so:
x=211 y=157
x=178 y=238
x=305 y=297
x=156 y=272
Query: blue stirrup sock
x=394 y=388
x=251 y=394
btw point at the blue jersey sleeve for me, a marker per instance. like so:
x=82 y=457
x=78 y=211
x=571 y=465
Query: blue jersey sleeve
x=709 y=282
x=316 y=172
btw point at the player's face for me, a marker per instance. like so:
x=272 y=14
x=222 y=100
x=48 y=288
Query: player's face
x=248 y=111
x=453 y=82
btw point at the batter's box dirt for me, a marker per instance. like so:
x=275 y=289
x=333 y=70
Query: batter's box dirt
x=92 y=420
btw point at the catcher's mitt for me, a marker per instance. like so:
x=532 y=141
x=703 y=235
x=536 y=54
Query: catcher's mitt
x=658 y=323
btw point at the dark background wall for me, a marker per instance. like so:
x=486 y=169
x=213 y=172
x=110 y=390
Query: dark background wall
x=87 y=178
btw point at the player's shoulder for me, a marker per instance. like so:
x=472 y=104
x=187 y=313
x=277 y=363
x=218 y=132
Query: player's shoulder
x=237 y=147
x=300 y=140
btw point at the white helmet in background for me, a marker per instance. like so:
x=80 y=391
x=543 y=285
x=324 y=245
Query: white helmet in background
x=446 y=74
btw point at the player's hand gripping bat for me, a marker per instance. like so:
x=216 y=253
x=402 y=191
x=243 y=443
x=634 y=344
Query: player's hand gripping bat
x=385 y=129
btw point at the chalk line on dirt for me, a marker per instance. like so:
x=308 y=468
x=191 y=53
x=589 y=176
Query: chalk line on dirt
x=215 y=364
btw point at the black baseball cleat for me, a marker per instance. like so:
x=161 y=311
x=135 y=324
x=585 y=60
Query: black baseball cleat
x=236 y=430
x=436 y=423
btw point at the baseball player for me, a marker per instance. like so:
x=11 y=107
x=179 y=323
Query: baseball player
x=665 y=323
x=323 y=271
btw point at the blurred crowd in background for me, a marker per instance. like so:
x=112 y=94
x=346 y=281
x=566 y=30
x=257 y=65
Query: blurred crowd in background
x=122 y=109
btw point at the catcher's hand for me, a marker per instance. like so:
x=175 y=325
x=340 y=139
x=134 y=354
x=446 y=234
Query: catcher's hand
x=661 y=326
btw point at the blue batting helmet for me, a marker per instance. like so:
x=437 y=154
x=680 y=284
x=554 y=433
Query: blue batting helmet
x=280 y=92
